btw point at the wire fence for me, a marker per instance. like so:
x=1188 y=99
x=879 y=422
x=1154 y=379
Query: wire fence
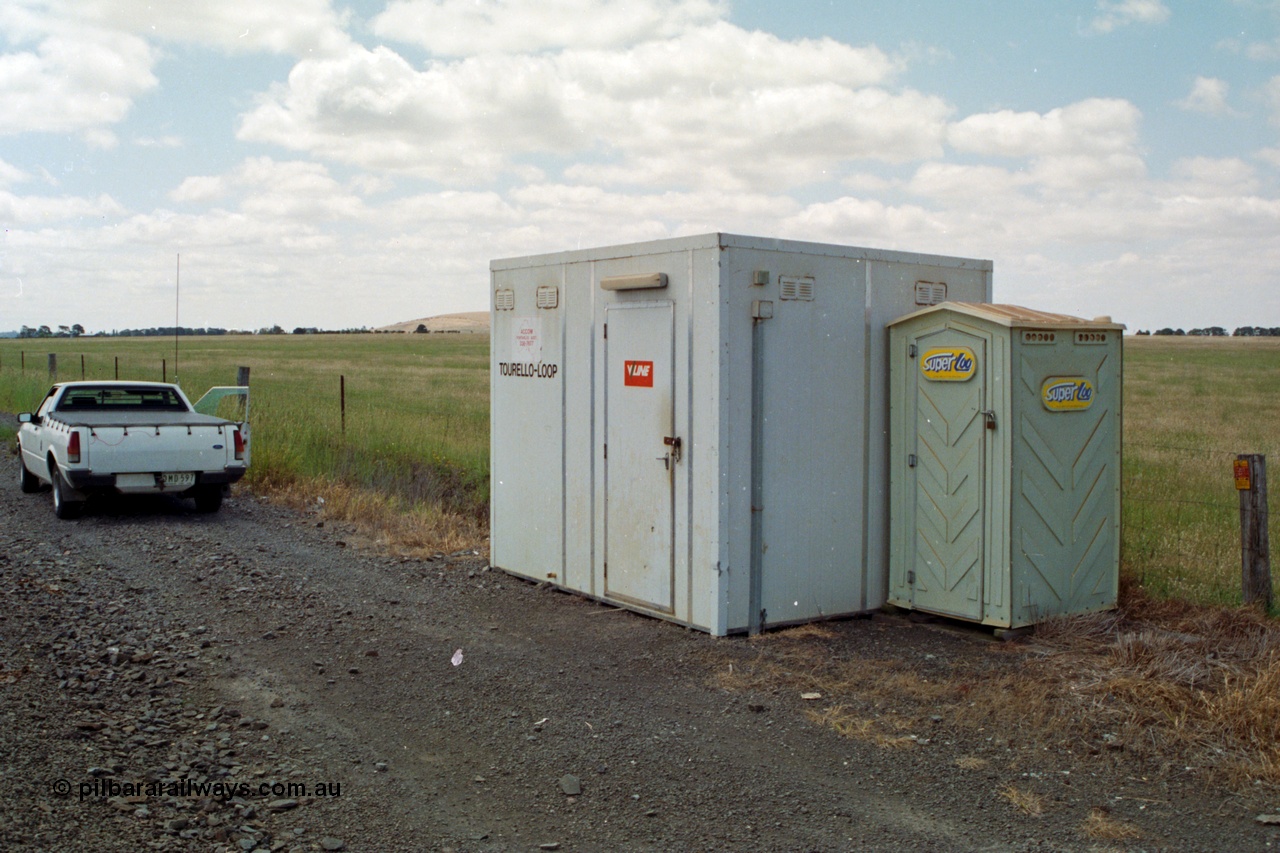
x=1181 y=521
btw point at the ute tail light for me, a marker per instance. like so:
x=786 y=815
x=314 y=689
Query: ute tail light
x=238 y=436
x=73 y=448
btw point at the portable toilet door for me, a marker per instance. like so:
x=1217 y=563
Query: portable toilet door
x=948 y=408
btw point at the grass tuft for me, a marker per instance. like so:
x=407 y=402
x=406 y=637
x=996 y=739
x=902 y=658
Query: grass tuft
x=1101 y=826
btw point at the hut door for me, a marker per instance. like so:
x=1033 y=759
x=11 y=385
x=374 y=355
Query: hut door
x=641 y=453
x=945 y=574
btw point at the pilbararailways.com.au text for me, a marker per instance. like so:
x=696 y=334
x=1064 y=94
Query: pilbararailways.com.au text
x=103 y=788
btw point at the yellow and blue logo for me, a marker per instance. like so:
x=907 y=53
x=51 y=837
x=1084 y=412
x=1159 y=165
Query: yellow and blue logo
x=948 y=364
x=1066 y=393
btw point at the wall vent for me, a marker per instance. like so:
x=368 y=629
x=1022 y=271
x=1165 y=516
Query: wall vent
x=799 y=288
x=504 y=300
x=931 y=292
x=548 y=296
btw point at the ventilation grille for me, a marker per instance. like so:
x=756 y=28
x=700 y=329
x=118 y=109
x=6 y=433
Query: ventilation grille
x=931 y=292
x=548 y=296
x=504 y=300
x=1032 y=336
x=1091 y=337
x=796 y=288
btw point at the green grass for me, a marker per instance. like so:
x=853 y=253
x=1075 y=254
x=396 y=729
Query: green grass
x=417 y=406
x=1191 y=405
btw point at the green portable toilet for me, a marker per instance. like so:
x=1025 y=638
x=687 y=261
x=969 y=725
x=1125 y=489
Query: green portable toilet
x=1005 y=440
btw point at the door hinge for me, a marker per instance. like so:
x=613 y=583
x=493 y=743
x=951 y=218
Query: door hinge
x=911 y=351
x=606 y=331
x=606 y=451
x=911 y=460
x=911 y=578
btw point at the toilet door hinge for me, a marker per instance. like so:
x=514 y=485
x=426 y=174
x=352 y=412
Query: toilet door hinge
x=911 y=577
x=911 y=351
x=911 y=460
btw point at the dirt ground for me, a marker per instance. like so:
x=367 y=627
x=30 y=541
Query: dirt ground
x=261 y=679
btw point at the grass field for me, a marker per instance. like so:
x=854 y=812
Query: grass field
x=1192 y=404
x=413 y=459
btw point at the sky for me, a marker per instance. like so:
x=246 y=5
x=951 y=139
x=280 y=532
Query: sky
x=353 y=163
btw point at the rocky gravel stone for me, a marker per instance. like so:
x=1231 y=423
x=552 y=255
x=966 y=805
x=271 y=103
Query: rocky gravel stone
x=167 y=683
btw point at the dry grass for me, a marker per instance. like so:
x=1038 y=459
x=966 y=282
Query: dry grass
x=1101 y=826
x=1155 y=682
x=421 y=529
x=1028 y=802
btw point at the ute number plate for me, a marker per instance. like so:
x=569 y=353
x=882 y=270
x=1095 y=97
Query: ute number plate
x=176 y=480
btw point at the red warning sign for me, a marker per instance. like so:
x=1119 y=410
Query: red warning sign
x=638 y=373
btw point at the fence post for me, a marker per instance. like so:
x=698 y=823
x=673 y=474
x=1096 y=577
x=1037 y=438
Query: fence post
x=53 y=366
x=82 y=368
x=117 y=367
x=1255 y=547
x=242 y=376
x=342 y=400
x=164 y=370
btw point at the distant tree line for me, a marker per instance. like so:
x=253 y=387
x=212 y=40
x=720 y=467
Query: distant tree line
x=1219 y=332
x=73 y=331
x=77 y=330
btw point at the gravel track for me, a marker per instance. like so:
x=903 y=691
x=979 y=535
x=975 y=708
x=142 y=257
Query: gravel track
x=182 y=676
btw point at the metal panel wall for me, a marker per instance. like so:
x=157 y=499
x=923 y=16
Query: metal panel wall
x=1066 y=475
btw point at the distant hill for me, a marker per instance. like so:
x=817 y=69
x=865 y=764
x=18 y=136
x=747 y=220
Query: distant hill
x=466 y=321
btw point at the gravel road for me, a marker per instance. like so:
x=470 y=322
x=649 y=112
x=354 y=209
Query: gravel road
x=260 y=680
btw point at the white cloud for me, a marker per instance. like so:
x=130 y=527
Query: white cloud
x=41 y=211
x=717 y=106
x=1093 y=126
x=295 y=27
x=11 y=175
x=1113 y=14
x=272 y=190
x=1083 y=146
x=1209 y=177
x=1208 y=95
x=77 y=66
x=448 y=28
x=68 y=77
x=158 y=141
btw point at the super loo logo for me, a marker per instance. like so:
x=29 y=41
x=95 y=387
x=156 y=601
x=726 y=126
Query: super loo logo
x=1066 y=393
x=948 y=364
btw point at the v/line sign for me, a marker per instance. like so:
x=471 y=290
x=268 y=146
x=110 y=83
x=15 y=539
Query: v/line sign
x=638 y=374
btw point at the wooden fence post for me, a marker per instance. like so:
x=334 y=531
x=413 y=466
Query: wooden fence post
x=242 y=376
x=81 y=368
x=117 y=367
x=342 y=400
x=164 y=370
x=53 y=366
x=1255 y=547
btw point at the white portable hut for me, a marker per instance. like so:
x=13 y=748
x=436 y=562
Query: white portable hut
x=697 y=428
x=1005 y=463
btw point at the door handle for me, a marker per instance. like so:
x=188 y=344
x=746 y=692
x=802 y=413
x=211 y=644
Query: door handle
x=675 y=444
x=665 y=460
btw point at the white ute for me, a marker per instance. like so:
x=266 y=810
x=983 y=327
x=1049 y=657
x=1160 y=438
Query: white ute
x=132 y=438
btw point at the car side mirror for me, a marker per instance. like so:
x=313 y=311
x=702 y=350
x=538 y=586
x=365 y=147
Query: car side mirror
x=27 y=418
